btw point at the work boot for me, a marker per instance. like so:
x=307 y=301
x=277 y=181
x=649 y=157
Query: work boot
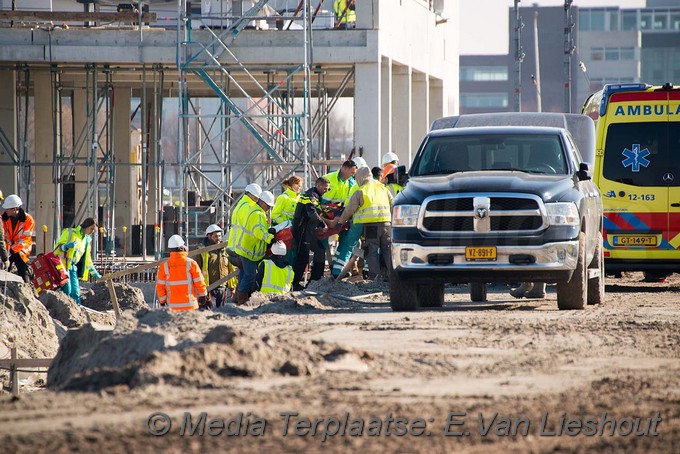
x=241 y=298
x=538 y=292
x=520 y=291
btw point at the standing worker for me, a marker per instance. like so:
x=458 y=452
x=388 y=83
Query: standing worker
x=306 y=223
x=179 y=283
x=345 y=14
x=4 y=258
x=284 y=208
x=274 y=274
x=74 y=247
x=214 y=266
x=342 y=181
x=241 y=209
x=370 y=207
x=19 y=227
x=390 y=158
x=252 y=244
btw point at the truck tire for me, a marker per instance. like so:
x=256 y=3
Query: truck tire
x=477 y=292
x=431 y=295
x=596 y=284
x=574 y=294
x=403 y=295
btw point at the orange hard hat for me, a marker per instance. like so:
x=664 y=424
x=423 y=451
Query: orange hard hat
x=389 y=170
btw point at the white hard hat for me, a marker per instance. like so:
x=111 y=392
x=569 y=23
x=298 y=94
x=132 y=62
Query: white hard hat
x=12 y=201
x=254 y=189
x=175 y=241
x=212 y=228
x=268 y=198
x=389 y=157
x=279 y=248
x=360 y=162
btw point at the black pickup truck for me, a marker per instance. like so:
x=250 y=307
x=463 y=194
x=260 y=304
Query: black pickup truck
x=496 y=198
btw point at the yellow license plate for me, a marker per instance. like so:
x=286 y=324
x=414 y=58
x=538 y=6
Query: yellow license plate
x=635 y=240
x=480 y=254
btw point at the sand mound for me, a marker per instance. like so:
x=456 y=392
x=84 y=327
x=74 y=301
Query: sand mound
x=194 y=348
x=63 y=308
x=129 y=297
x=26 y=322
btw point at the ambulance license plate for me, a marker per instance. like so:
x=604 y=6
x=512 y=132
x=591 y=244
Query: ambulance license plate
x=480 y=254
x=635 y=240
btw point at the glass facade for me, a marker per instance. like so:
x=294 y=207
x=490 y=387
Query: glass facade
x=483 y=73
x=605 y=19
x=484 y=100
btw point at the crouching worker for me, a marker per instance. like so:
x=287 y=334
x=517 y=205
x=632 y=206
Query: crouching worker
x=274 y=275
x=179 y=283
x=74 y=246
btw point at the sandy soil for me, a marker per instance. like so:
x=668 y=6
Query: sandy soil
x=445 y=372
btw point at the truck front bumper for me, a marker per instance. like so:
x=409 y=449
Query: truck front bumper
x=550 y=262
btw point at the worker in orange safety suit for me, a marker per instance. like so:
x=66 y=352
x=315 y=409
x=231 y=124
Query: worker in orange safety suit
x=19 y=227
x=179 y=283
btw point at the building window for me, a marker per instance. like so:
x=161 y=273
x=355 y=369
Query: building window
x=627 y=53
x=483 y=74
x=611 y=53
x=629 y=20
x=597 y=20
x=646 y=20
x=675 y=21
x=597 y=53
x=660 y=20
x=613 y=16
x=484 y=100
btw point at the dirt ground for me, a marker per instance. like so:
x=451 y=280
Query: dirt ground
x=502 y=376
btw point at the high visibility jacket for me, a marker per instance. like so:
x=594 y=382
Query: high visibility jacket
x=394 y=188
x=339 y=190
x=75 y=254
x=180 y=282
x=255 y=237
x=19 y=233
x=242 y=208
x=339 y=6
x=275 y=279
x=284 y=208
x=215 y=265
x=376 y=206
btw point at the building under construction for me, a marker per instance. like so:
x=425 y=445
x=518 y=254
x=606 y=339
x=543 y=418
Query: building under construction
x=155 y=129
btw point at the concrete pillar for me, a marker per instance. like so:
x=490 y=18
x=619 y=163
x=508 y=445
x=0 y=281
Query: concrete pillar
x=367 y=15
x=82 y=140
x=420 y=100
x=151 y=143
x=385 y=108
x=8 y=125
x=436 y=99
x=125 y=185
x=401 y=112
x=367 y=117
x=45 y=194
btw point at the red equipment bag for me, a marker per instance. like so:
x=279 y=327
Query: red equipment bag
x=332 y=231
x=48 y=272
x=286 y=235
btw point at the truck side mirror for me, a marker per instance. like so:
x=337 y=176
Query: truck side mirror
x=584 y=172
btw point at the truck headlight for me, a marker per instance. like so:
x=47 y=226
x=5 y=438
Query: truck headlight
x=562 y=213
x=405 y=215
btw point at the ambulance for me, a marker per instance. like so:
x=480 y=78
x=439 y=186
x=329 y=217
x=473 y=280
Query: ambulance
x=637 y=168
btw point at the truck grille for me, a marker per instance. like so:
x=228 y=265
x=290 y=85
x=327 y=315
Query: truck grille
x=483 y=213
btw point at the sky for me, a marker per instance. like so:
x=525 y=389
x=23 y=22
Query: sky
x=484 y=23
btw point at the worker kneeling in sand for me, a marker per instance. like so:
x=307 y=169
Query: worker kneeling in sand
x=274 y=274
x=179 y=283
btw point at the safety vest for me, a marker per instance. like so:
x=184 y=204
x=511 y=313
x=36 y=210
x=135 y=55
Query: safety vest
x=180 y=282
x=394 y=188
x=339 y=6
x=275 y=279
x=339 y=190
x=255 y=236
x=75 y=254
x=241 y=210
x=19 y=238
x=221 y=256
x=376 y=206
x=284 y=208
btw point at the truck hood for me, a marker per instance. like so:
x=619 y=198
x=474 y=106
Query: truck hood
x=549 y=187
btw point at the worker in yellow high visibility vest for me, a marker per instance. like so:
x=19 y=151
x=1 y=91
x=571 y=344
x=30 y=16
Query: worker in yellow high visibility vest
x=74 y=247
x=345 y=14
x=241 y=209
x=275 y=275
x=370 y=206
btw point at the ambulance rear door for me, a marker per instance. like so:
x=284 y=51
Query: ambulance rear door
x=673 y=178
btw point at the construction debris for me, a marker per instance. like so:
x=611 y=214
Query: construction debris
x=129 y=297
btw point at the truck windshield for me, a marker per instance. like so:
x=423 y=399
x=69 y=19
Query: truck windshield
x=531 y=153
x=640 y=154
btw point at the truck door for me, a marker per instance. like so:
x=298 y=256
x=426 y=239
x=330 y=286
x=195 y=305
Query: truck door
x=674 y=172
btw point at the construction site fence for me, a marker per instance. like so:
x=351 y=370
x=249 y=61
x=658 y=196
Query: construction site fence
x=112 y=266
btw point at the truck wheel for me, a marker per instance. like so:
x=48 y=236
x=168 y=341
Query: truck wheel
x=403 y=295
x=596 y=284
x=477 y=291
x=574 y=294
x=431 y=295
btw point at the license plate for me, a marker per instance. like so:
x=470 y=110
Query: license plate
x=635 y=240
x=480 y=254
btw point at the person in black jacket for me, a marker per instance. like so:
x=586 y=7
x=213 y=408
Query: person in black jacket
x=306 y=222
